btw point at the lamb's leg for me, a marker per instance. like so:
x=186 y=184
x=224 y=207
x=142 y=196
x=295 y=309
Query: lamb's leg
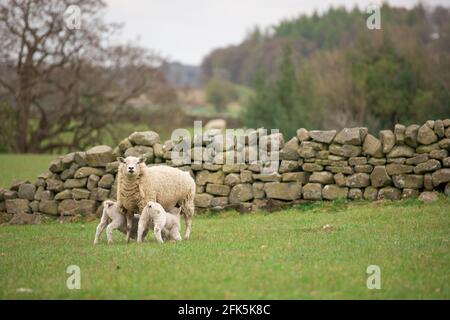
x=142 y=226
x=115 y=224
x=157 y=232
x=101 y=226
x=188 y=212
x=175 y=234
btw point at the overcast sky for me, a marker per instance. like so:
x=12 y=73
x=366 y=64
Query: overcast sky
x=187 y=30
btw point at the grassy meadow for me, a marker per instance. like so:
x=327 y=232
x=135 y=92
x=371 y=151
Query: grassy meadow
x=315 y=251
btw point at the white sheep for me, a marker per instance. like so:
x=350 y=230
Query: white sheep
x=112 y=219
x=139 y=184
x=165 y=225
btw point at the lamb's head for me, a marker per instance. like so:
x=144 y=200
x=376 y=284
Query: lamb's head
x=108 y=204
x=155 y=206
x=131 y=166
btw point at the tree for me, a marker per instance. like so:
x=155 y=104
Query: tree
x=64 y=86
x=220 y=93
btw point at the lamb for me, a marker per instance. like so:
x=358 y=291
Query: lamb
x=164 y=223
x=139 y=184
x=112 y=219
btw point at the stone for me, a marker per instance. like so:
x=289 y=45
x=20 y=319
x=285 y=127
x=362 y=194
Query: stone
x=428 y=182
x=411 y=135
x=439 y=129
x=141 y=151
x=426 y=149
x=446 y=123
x=232 y=168
x=27 y=191
x=283 y=191
x=69 y=173
x=333 y=192
x=447 y=189
x=399 y=131
x=355 y=194
x=326 y=136
x=444 y=144
x=219 y=202
x=322 y=177
x=232 y=179
x=439 y=154
x=410 y=193
x=401 y=151
x=49 y=207
x=345 y=150
x=246 y=176
x=56 y=166
x=22 y=218
x=158 y=150
x=92 y=182
x=358 y=180
x=274 y=141
x=394 y=168
x=349 y=136
x=79 y=194
x=255 y=167
x=146 y=138
x=428 y=196
x=55 y=185
x=124 y=145
x=409 y=181
x=430 y=124
x=85 y=172
x=302 y=177
x=209 y=167
x=440 y=176
x=311 y=167
x=387 y=138
x=430 y=165
x=372 y=146
x=312 y=191
x=66 y=194
x=400 y=160
x=417 y=159
x=426 y=135
x=306 y=152
x=344 y=170
x=303 y=135
x=99 y=156
x=366 y=168
x=241 y=193
x=340 y=179
x=106 y=181
x=288 y=166
x=446 y=162
x=377 y=161
x=267 y=177
x=379 y=177
x=258 y=190
x=45 y=175
x=389 y=193
x=75 y=183
x=72 y=207
x=14 y=206
x=218 y=189
x=101 y=194
x=9 y=194
x=371 y=193
x=289 y=151
x=356 y=161
x=80 y=159
x=34 y=206
x=112 y=167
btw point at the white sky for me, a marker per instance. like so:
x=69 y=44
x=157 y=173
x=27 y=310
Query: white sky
x=187 y=30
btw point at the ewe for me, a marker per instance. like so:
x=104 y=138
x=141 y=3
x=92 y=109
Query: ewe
x=139 y=184
x=112 y=219
x=163 y=222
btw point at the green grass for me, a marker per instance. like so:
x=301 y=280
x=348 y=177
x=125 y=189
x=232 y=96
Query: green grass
x=284 y=255
x=22 y=167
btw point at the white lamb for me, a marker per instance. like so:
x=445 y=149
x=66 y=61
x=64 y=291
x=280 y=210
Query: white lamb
x=112 y=219
x=165 y=225
x=139 y=184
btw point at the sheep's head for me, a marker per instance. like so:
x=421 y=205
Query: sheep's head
x=131 y=166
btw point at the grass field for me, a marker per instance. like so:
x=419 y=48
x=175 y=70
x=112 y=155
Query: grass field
x=20 y=167
x=287 y=255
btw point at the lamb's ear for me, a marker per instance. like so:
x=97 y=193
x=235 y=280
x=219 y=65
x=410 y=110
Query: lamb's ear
x=176 y=210
x=121 y=159
x=142 y=159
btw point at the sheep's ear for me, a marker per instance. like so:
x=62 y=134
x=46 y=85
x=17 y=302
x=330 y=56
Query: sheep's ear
x=121 y=159
x=142 y=159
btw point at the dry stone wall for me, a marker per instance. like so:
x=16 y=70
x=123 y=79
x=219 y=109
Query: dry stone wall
x=406 y=162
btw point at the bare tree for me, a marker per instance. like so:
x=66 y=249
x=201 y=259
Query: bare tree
x=65 y=85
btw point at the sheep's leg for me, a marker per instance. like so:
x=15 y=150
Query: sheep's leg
x=115 y=224
x=188 y=211
x=142 y=226
x=101 y=226
x=129 y=226
x=157 y=232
